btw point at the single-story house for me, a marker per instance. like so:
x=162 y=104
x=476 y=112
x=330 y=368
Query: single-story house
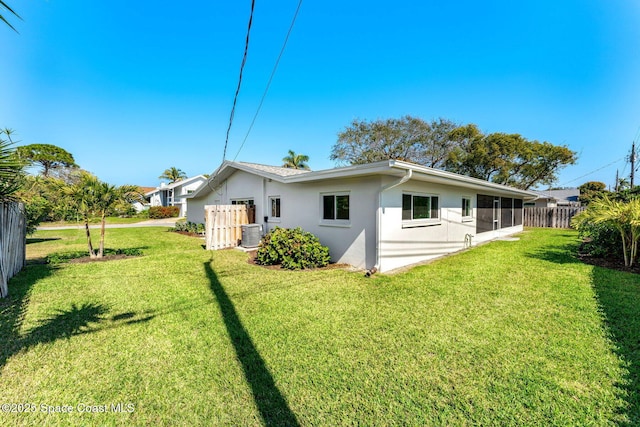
x=382 y=215
x=174 y=194
x=555 y=198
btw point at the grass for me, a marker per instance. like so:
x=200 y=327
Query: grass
x=508 y=333
x=94 y=221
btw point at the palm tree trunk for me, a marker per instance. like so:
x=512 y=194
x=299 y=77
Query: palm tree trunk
x=624 y=248
x=92 y=254
x=102 y=228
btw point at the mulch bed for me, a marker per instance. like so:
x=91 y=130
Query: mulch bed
x=187 y=233
x=87 y=259
x=252 y=261
x=610 y=263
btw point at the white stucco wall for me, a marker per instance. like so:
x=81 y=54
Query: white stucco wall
x=300 y=206
x=354 y=242
x=405 y=243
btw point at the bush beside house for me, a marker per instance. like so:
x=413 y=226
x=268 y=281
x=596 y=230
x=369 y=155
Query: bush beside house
x=293 y=249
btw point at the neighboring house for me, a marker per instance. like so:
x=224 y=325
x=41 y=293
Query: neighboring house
x=174 y=194
x=555 y=198
x=385 y=215
x=139 y=206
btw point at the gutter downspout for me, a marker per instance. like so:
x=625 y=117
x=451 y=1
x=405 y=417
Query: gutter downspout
x=401 y=181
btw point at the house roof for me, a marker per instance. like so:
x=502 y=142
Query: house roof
x=145 y=190
x=176 y=184
x=566 y=194
x=275 y=170
x=387 y=167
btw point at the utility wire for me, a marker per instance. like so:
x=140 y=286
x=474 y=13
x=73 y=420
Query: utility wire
x=273 y=72
x=235 y=98
x=594 y=171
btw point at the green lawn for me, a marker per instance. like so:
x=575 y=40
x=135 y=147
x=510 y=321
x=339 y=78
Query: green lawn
x=95 y=221
x=508 y=333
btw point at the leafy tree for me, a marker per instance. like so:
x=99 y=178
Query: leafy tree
x=92 y=197
x=499 y=157
x=45 y=199
x=591 y=190
x=367 y=142
x=436 y=144
x=295 y=161
x=48 y=156
x=11 y=168
x=173 y=174
x=508 y=159
x=3 y=7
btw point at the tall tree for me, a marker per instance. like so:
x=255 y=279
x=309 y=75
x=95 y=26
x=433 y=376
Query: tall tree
x=3 y=7
x=508 y=159
x=295 y=161
x=503 y=158
x=367 y=142
x=48 y=156
x=407 y=138
x=173 y=174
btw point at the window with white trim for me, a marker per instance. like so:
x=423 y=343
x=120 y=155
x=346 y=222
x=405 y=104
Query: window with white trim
x=274 y=207
x=248 y=202
x=335 y=207
x=467 y=211
x=420 y=208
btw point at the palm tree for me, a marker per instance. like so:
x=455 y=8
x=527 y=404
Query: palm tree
x=83 y=196
x=173 y=174
x=623 y=216
x=93 y=197
x=4 y=6
x=295 y=161
x=10 y=167
x=108 y=197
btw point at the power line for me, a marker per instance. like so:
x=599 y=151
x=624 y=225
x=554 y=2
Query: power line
x=594 y=171
x=235 y=98
x=273 y=72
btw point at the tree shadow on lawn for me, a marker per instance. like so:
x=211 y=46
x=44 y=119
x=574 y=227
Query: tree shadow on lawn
x=271 y=404
x=558 y=254
x=618 y=296
x=78 y=319
x=31 y=240
x=14 y=307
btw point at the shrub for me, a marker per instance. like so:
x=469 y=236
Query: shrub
x=159 y=212
x=293 y=249
x=189 y=227
x=599 y=240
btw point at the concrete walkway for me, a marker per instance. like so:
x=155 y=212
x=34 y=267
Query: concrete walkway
x=165 y=222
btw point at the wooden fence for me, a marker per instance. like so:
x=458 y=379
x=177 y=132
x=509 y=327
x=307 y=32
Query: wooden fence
x=559 y=217
x=13 y=235
x=223 y=225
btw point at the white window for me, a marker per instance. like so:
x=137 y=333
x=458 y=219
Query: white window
x=248 y=202
x=420 y=209
x=467 y=211
x=335 y=208
x=274 y=207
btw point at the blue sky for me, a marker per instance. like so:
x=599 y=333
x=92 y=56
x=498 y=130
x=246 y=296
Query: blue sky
x=132 y=88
